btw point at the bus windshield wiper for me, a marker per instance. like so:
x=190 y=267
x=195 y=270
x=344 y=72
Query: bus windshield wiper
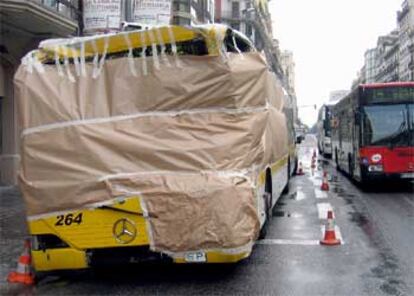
x=396 y=137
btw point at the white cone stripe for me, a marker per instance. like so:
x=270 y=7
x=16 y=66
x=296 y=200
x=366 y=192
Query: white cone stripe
x=338 y=233
x=21 y=268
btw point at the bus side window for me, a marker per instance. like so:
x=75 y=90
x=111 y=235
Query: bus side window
x=357 y=116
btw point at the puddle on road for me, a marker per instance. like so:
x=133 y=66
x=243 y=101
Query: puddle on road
x=338 y=190
x=388 y=271
x=298 y=195
x=287 y=214
x=360 y=219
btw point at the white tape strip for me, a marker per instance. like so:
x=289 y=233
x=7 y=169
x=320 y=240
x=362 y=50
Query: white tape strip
x=86 y=207
x=162 y=44
x=241 y=173
x=221 y=47
x=47 y=127
x=29 y=63
x=82 y=59
x=76 y=62
x=66 y=63
x=154 y=50
x=131 y=62
x=95 y=59
x=57 y=61
x=144 y=55
x=237 y=48
x=102 y=60
x=174 y=47
x=145 y=213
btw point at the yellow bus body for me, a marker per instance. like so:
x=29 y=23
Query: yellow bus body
x=96 y=232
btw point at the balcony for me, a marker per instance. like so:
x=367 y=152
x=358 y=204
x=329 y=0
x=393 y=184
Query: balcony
x=38 y=18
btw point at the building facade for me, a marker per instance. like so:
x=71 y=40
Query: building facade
x=288 y=66
x=369 y=69
x=387 y=53
x=192 y=12
x=405 y=19
x=23 y=24
x=240 y=15
x=393 y=57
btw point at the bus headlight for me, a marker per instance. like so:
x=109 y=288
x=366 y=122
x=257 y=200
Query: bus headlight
x=376 y=157
x=375 y=168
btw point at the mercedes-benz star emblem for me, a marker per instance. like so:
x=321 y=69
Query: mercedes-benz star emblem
x=124 y=231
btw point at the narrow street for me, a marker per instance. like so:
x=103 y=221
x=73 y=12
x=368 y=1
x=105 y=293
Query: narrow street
x=375 y=257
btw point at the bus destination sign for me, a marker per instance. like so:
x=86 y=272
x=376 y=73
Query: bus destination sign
x=388 y=95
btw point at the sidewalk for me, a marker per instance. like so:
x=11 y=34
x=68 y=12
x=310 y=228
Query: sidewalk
x=13 y=230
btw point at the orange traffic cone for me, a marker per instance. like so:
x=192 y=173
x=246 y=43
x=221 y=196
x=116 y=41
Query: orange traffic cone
x=23 y=274
x=330 y=236
x=325 y=185
x=300 y=170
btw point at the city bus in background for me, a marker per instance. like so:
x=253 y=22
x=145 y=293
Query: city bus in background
x=373 y=132
x=323 y=125
x=324 y=131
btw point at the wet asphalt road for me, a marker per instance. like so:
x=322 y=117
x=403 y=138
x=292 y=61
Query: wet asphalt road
x=375 y=258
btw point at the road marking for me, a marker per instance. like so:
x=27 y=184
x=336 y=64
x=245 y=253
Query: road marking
x=320 y=194
x=409 y=200
x=316 y=181
x=300 y=242
x=323 y=208
x=300 y=195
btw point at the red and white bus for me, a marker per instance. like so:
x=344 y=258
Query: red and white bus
x=373 y=132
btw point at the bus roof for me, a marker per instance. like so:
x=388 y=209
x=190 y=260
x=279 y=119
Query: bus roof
x=388 y=84
x=213 y=34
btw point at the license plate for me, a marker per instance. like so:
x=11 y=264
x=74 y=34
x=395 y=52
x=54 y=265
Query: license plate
x=407 y=176
x=195 y=257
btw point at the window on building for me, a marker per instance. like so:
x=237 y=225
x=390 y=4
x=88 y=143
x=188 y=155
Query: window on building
x=235 y=10
x=181 y=6
x=249 y=30
x=181 y=21
x=235 y=26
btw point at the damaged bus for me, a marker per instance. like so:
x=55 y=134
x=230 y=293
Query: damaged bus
x=168 y=143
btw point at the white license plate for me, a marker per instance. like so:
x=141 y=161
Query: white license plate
x=407 y=176
x=194 y=257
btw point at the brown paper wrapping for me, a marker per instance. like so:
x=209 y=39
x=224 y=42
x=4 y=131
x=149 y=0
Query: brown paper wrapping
x=192 y=212
x=84 y=140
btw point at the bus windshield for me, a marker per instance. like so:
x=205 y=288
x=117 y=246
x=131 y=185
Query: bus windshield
x=388 y=125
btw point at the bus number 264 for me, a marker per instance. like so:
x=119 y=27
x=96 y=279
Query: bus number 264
x=68 y=219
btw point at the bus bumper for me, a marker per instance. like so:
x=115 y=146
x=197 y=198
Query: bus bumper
x=71 y=259
x=392 y=177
